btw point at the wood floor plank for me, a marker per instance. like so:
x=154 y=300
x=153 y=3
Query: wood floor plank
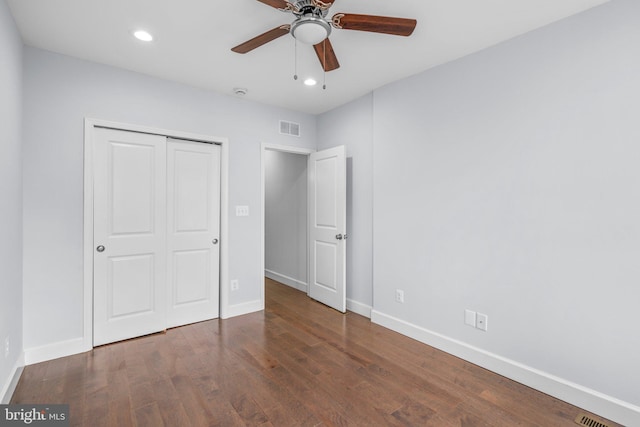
x=120 y=413
x=141 y=395
x=149 y=416
x=297 y=363
x=96 y=408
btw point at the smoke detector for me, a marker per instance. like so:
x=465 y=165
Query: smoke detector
x=240 y=91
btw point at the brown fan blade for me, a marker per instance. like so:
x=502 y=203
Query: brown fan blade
x=326 y=55
x=278 y=4
x=374 y=24
x=264 y=38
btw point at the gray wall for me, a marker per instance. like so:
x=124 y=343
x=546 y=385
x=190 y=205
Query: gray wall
x=10 y=195
x=508 y=183
x=351 y=125
x=60 y=92
x=286 y=217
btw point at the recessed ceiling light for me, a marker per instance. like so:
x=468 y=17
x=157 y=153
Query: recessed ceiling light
x=143 y=35
x=310 y=82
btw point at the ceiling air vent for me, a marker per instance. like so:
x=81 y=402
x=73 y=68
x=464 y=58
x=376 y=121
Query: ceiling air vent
x=587 y=421
x=289 y=128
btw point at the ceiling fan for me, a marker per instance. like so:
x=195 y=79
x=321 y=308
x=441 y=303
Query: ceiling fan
x=312 y=27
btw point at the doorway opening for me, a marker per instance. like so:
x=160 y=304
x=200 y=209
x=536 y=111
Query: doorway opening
x=284 y=216
x=325 y=224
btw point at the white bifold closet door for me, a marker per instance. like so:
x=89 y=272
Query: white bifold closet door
x=156 y=231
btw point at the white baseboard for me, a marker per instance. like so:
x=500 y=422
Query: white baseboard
x=244 y=308
x=54 y=351
x=593 y=401
x=359 y=308
x=12 y=383
x=286 y=280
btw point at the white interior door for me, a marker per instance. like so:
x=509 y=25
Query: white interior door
x=129 y=234
x=193 y=231
x=327 y=227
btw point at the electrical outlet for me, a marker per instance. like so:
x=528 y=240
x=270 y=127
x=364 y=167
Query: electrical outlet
x=6 y=347
x=399 y=295
x=235 y=285
x=482 y=321
x=470 y=318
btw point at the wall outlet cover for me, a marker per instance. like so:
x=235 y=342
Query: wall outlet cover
x=470 y=318
x=482 y=321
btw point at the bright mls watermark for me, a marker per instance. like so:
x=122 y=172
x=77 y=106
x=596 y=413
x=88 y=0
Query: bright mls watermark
x=34 y=415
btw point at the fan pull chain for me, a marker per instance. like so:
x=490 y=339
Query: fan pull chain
x=324 y=65
x=295 y=59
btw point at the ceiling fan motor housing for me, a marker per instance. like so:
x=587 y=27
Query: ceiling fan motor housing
x=309 y=7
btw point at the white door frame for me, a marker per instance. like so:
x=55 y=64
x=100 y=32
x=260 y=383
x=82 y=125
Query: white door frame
x=283 y=149
x=89 y=125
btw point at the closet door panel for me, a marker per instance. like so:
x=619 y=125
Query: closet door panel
x=193 y=231
x=129 y=235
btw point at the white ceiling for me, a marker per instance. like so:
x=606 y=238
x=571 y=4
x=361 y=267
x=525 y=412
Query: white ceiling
x=193 y=39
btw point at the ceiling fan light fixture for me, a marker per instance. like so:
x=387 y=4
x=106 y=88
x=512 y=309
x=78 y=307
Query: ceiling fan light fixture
x=310 y=81
x=310 y=30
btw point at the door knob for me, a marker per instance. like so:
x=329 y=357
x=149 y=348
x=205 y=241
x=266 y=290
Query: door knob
x=339 y=236
x=100 y=248
x=214 y=241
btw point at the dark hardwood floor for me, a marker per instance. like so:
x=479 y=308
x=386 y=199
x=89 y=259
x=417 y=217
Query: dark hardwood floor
x=298 y=363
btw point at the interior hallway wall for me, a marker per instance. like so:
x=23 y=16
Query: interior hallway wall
x=11 y=52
